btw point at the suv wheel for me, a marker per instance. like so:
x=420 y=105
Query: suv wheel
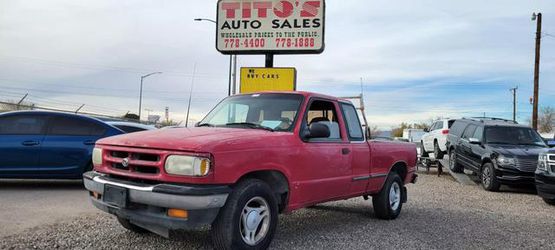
x=130 y=226
x=437 y=151
x=549 y=201
x=249 y=218
x=388 y=203
x=423 y=152
x=489 y=181
x=454 y=166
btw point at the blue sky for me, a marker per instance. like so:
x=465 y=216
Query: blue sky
x=418 y=59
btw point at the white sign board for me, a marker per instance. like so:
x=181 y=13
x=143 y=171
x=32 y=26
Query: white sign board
x=270 y=26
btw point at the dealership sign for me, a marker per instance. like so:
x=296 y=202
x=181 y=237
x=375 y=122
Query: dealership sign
x=268 y=79
x=270 y=26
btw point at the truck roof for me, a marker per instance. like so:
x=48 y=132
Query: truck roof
x=303 y=93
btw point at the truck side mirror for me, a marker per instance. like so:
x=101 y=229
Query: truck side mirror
x=318 y=130
x=426 y=130
x=551 y=143
x=368 y=133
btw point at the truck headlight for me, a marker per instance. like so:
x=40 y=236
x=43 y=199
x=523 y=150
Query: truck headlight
x=542 y=162
x=506 y=161
x=97 y=156
x=187 y=165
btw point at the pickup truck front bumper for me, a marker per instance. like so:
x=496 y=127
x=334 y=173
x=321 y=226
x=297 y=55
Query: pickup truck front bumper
x=147 y=205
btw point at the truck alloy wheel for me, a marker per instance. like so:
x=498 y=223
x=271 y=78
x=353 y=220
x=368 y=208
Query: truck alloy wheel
x=255 y=220
x=388 y=203
x=394 y=196
x=248 y=219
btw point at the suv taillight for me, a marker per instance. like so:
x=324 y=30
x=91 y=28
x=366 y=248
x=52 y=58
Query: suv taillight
x=445 y=131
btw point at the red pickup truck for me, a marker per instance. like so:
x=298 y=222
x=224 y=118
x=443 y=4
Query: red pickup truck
x=252 y=157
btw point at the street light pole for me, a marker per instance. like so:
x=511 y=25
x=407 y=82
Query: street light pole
x=141 y=91
x=231 y=89
x=538 y=19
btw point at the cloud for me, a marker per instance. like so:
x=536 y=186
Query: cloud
x=417 y=59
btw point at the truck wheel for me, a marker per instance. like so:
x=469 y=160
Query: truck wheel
x=388 y=203
x=249 y=218
x=423 y=152
x=489 y=181
x=130 y=226
x=437 y=151
x=549 y=201
x=454 y=166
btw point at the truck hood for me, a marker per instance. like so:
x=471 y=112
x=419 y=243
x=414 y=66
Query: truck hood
x=518 y=151
x=193 y=139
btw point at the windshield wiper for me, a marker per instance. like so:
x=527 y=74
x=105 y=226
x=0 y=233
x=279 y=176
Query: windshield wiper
x=205 y=125
x=250 y=125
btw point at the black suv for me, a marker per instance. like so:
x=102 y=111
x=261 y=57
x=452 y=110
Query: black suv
x=500 y=151
x=545 y=176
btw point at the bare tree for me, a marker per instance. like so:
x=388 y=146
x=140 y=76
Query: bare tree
x=374 y=130
x=546 y=120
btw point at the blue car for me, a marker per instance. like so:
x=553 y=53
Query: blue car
x=48 y=145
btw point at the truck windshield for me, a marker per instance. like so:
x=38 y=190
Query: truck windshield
x=513 y=136
x=276 y=112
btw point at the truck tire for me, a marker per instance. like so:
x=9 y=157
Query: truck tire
x=130 y=226
x=549 y=201
x=438 y=154
x=388 y=203
x=454 y=166
x=249 y=218
x=489 y=181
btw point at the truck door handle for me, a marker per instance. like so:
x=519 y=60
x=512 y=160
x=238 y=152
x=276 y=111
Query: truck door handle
x=345 y=151
x=30 y=143
x=89 y=142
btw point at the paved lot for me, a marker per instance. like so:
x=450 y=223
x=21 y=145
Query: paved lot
x=440 y=214
x=25 y=204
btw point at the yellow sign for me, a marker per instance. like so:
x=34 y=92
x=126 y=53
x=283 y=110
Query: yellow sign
x=268 y=79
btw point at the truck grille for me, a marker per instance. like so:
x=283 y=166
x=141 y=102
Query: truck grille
x=527 y=165
x=133 y=161
x=552 y=158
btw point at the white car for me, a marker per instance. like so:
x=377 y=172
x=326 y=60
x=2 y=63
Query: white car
x=130 y=127
x=436 y=138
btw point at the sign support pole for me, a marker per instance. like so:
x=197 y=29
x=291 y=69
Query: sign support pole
x=269 y=60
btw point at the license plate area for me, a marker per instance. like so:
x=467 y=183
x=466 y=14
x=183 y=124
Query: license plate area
x=115 y=196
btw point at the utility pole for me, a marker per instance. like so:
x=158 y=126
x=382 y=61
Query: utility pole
x=538 y=19
x=234 y=92
x=141 y=91
x=514 y=102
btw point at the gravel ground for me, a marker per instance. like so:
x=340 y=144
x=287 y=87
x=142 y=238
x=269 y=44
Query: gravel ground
x=440 y=214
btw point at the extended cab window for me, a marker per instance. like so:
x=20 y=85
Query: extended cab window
x=353 y=123
x=22 y=125
x=324 y=112
x=267 y=111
